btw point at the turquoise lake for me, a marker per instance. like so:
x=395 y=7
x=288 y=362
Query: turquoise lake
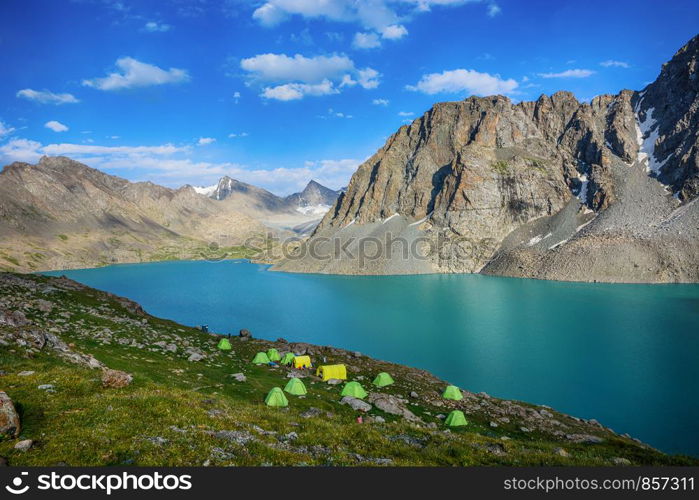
x=626 y=355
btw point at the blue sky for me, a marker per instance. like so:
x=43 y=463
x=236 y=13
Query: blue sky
x=280 y=91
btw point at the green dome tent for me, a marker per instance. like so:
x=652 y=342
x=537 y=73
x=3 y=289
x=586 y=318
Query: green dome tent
x=452 y=392
x=456 y=419
x=261 y=358
x=382 y=380
x=276 y=397
x=273 y=355
x=224 y=344
x=288 y=358
x=295 y=386
x=354 y=389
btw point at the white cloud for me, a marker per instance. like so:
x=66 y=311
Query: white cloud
x=135 y=73
x=205 y=141
x=46 y=97
x=464 y=80
x=405 y=113
x=295 y=91
x=173 y=166
x=56 y=126
x=20 y=150
x=241 y=134
x=380 y=102
x=5 y=129
x=378 y=16
x=569 y=73
x=366 y=41
x=280 y=67
x=394 y=32
x=612 y=63
x=154 y=27
x=300 y=76
x=494 y=9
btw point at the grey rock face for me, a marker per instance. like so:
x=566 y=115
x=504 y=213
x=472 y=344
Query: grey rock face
x=554 y=188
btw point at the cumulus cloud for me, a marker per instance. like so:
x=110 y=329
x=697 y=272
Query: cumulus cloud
x=569 y=73
x=56 y=126
x=464 y=81
x=133 y=73
x=380 y=102
x=154 y=27
x=612 y=63
x=299 y=76
x=174 y=165
x=394 y=32
x=366 y=41
x=46 y=97
x=380 y=17
x=205 y=141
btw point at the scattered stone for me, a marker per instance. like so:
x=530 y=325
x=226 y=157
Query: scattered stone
x=357 y=354
x=414 y=395
x=377 y=419
x=546 y=413
x=525 y=429
x=494 y=425
x=382 y=461
x=24 y=445
x=239 y=377
x=334 y=381
x=221 y=454
x=561 y=452
x=584 y=438
x=157 y=440
x=47 y=387
x=355 y=403
x=291 y=436
x=245 y=333
x=496 y=449
x=238 y=437
x=13 y=318
x=170 y=347
x=441 y=416
x=26 y=373
x=621 y=461
x=282 y=340
x=311 y=412
x=393 y=405
x=9 y=419
x=195 y=356
x=412 y=441
x=115 y=379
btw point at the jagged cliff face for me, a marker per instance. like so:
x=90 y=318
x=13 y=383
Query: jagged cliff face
x=61 y=214
x=488 y=185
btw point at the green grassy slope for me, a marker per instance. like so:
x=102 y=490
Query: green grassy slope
x=180 y=412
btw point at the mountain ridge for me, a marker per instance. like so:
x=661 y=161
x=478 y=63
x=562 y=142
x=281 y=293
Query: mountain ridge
x=553 y=188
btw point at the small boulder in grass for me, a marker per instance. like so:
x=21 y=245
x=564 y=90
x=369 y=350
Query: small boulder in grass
x=115 y=378
x=9 y=419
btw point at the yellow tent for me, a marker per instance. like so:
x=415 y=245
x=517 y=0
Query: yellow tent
x=302 y=361
x=326 y=372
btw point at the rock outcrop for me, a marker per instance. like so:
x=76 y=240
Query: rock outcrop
x=554 y=189
x=9 y=420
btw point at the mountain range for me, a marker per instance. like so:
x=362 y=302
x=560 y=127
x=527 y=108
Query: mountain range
x=554 y=188
x=61 y=214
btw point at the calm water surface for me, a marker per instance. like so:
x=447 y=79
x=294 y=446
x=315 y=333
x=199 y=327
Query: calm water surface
x=627 y=355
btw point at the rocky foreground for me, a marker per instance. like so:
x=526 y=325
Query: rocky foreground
x=89 y=378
